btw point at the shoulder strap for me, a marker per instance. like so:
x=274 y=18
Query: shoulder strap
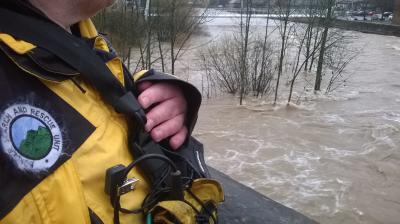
x=80 y=56
x=77 y=54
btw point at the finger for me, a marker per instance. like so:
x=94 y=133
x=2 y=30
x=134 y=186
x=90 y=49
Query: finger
x=144 y=85
x=168 y=128
x=165 y=111
x=179 y=138
x=158 y=92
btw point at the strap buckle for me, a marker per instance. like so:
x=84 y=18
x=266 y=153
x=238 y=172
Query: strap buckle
x=129 y=105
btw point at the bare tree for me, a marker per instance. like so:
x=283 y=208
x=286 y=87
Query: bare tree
x=338 y=56
x=221 y=61
x=312 y=30
x=299 y=62
x=262 y=75
x=245 y=14
x=178 y=20
x=149 y=29
x=285 y=10
x=265 y=63
x=328 y=5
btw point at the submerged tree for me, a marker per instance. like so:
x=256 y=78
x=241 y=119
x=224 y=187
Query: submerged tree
x=312 y=32
x=339 y=55
x=245 y=20
x=328 y=5
x=241 y=63
x=177 y=21
x=246 y=62
x=285 y=10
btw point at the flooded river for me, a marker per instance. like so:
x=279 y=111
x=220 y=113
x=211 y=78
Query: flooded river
x=334 y=158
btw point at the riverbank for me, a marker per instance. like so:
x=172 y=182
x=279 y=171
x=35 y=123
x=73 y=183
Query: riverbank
x=360 y=26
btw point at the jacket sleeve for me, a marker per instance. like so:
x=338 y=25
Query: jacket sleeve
x=192 y=95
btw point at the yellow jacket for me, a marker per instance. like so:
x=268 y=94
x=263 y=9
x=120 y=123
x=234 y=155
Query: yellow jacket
x=58 y=137
x=77 y=185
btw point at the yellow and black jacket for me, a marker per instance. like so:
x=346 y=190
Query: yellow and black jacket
x=58 y=137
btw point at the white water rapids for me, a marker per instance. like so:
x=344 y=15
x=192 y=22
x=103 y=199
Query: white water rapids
x=334 y=158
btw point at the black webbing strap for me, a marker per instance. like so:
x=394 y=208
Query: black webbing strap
x=80 y=56
x=76 y=53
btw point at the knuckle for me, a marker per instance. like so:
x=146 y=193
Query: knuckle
x=175 y=126
x=157 y=134
x=155 y=116
x=180 y=105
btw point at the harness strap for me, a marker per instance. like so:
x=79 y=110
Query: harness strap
x=77 y=54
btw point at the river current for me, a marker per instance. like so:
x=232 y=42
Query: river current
x=335 y=158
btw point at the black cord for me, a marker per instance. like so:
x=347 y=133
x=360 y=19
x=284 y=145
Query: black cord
x=202 y=205
x=191 y=205
x=116 y=206
x=149 y=156
x=158 y=189
x=154 y=195
x=184 y=159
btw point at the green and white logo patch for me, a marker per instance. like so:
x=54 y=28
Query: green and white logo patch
x=30 y=137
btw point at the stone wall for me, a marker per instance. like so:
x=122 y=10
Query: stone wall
x=360 y=26
x=367 y=27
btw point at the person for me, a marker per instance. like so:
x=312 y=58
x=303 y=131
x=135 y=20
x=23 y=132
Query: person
x=58 y=137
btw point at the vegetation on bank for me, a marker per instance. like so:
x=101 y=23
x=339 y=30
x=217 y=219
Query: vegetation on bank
x=159 y=29
x=249 y=62
x=246 y=62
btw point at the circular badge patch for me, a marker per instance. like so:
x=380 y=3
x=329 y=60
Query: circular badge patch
x=30 y=137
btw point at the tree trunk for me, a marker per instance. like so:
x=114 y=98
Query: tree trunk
x=318 y=79
x=281 y=58
x=262 y=72
x=245 y=42
x=315 y=43
x=149 y=33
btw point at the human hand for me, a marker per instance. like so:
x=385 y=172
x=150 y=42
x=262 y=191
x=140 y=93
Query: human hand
x=167 y=116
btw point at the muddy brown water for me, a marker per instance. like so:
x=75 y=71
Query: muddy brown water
x=335 y=158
